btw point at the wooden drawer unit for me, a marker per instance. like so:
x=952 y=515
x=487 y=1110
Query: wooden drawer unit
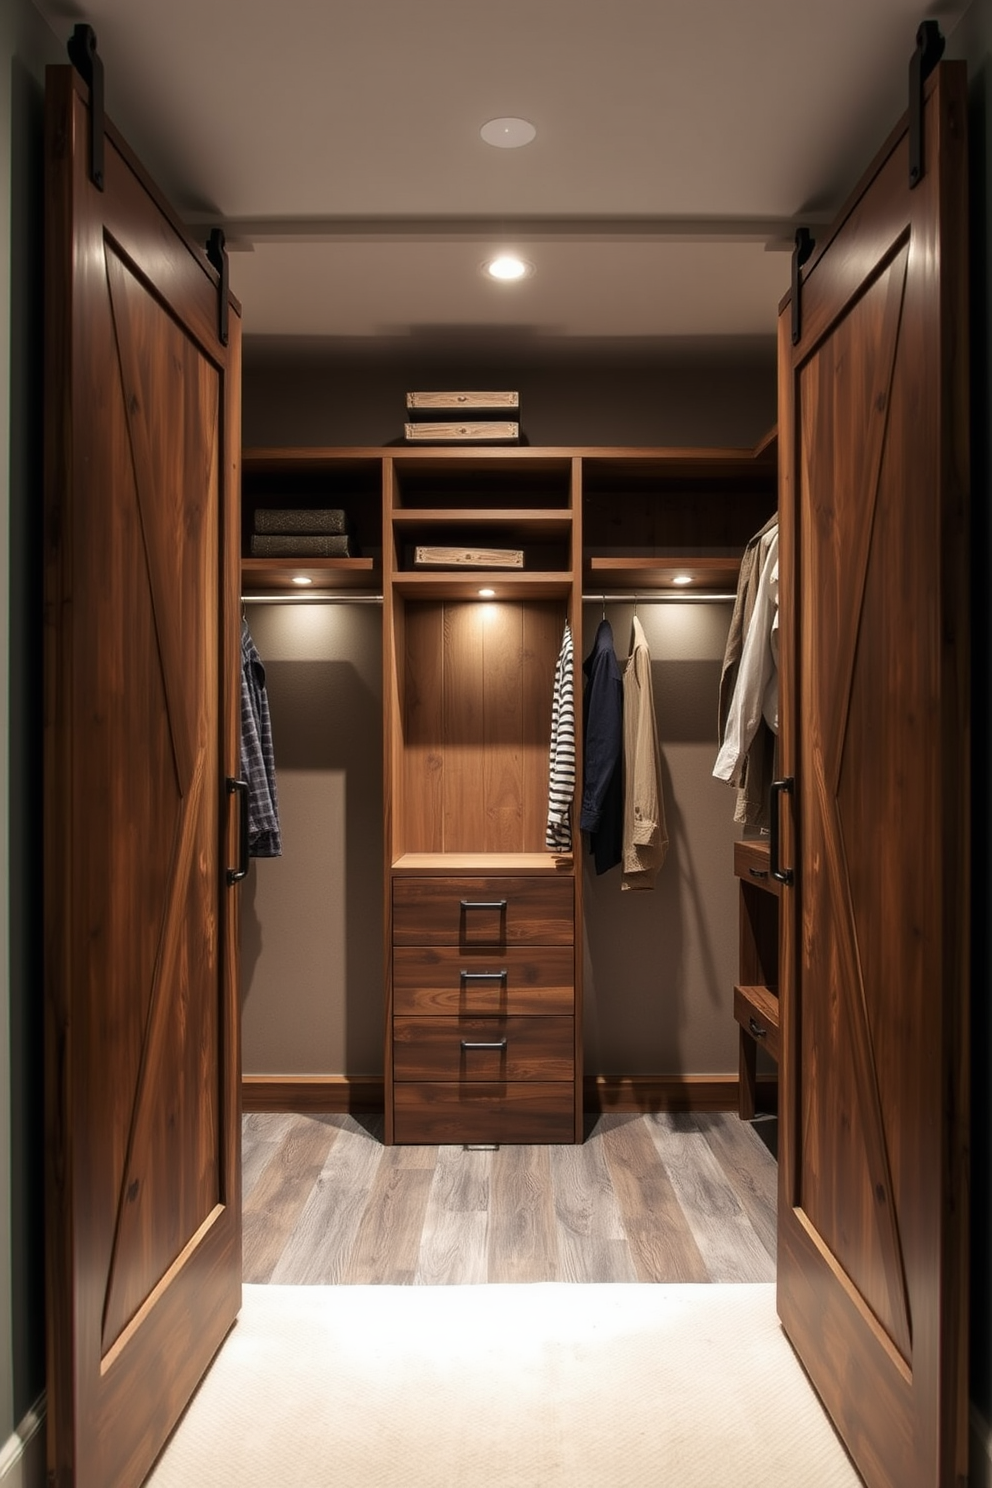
x=483 y=1001
x=483 y=1049
x=475 y=981
x=483 y=911
x=464 y=1111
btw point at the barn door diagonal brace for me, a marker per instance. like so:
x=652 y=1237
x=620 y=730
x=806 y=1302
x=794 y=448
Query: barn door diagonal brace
x=929 y=50
x=217 y=254
x=89 y=64
x=803 y=248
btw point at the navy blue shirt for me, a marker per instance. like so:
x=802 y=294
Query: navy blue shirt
x=602 y=768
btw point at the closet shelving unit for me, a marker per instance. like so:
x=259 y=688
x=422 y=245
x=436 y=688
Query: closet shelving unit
x=483 y=1023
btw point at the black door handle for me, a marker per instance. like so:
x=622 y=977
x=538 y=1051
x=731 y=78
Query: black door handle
x=240 y=789
x=783 y=875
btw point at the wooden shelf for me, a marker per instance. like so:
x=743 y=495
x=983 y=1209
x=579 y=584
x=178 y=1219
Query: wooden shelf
x=276 y=575
x=485 y=864
x=717 y=575
x=531 y=523
x=508 y=584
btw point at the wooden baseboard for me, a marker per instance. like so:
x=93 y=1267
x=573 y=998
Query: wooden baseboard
x=344 y=1094
x=337 y=1094
x=622 y=1093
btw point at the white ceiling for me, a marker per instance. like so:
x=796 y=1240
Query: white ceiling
x=678 y=144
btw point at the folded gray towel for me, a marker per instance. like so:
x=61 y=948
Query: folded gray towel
x=316 y=521
x=288 y=545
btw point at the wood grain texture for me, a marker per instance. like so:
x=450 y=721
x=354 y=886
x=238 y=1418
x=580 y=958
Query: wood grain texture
x=459 y=1048
x=501 y=911
x=142 y=452
x=873 y=576
x=428 y=979
x=607 y=1211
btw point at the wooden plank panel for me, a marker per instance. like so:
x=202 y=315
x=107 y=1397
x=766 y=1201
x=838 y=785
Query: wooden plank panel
x=463 y=706
x=502 y=725
x=428 y=980
x=543 y=625
x=435 y=1048
x=537 y=1111
x=388 y=1240
x=523 y=1235
x=662 y=1245
x=280 y=1194
x=456 y=1226
x=316 y=1254
x=744 y=1159
x=592 y=1241
x=539 y=911
x=419 y=809
x=730 y=1248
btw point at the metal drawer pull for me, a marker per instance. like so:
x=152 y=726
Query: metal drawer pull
x=758 y=872
x=484 y=976
x=499 y=1044
x=756 y=1028
x=484 y=904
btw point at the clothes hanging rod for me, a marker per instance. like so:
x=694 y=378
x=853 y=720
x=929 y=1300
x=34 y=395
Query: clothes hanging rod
x=663 y=596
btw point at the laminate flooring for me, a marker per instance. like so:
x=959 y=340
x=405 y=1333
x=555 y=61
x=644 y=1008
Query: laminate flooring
x=665 y=1197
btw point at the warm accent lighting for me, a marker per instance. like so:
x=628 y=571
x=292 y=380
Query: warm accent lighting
x=508 y=134
x=301 y=579
x=507 y=267
x=681 y=579
x=487 y=593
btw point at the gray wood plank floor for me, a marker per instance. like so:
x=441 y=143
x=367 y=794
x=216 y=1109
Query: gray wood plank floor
x=667 y=1197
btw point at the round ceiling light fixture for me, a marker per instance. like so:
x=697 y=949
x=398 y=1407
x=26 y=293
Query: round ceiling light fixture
x=508 y=134
x=507 y=266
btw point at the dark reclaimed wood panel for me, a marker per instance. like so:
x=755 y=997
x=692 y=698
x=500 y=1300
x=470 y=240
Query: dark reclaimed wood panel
x=435 y=1048
x=498 y=1111
x=538 y=911
x=429 y=980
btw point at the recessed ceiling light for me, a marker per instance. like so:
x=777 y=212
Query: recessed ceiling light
x=508 y=134
x=487 y=593
x=301 y=579
x=507 y=266
x=682 y=579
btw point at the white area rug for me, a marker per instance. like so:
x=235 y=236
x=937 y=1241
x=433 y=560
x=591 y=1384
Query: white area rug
x=624 y=1386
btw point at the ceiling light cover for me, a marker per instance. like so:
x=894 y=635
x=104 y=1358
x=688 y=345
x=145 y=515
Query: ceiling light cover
x=508 y=134
x=507 y=267
x=682 y=579
x=301 y=580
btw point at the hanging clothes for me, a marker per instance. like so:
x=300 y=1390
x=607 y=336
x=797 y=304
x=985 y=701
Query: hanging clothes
x=757 y=772
x=755 y=697
x=645 y=833
x=257 y=756
x=601 y=813
x=561 y=774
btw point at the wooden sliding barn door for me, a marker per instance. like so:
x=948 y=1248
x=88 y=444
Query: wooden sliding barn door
x=872 y=1279
x=141 y=617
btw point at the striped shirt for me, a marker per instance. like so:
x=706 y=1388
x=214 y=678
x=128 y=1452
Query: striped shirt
x=257 y=760
x=561 y=777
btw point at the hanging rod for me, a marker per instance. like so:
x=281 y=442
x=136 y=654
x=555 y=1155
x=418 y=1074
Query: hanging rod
x=660 y=596
x=322 y=596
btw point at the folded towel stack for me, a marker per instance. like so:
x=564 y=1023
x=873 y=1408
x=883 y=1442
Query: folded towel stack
x=300 y=532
